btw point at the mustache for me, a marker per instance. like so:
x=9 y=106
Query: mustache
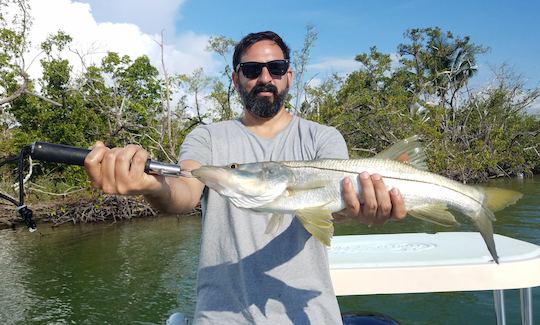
x=264 y=88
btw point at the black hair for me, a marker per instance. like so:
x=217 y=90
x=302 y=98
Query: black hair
x=253 y=38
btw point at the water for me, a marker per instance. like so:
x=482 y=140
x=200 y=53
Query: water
x=141 y=271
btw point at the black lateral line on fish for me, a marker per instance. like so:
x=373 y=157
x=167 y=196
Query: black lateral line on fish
x=390 y=177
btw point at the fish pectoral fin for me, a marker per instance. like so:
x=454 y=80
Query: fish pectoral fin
x=408 y=150
x=312 y=184
x=435 y=213
x=318 y=222
x=275 y=222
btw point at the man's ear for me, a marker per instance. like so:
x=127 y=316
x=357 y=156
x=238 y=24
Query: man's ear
x=235 y=80
x=290 y=76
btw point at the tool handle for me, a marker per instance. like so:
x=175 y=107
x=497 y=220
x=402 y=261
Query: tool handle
x=61 y=153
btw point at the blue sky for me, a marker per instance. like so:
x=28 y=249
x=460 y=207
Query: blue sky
x=345 y=28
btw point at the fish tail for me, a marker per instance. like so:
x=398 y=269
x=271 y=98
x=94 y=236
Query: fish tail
x=497 y=199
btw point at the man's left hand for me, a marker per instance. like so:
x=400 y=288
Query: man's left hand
x=375 y=205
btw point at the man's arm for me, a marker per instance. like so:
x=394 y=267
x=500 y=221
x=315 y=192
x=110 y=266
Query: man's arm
x=121 y=171
x=179 y=195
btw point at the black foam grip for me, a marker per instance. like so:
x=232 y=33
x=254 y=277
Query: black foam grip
x=59 y=153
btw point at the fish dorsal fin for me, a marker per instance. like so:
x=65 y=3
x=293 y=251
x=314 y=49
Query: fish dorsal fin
x=318 y=222
x=435 y=213
x=498 y=198
x=408 y=150
x=275 y=222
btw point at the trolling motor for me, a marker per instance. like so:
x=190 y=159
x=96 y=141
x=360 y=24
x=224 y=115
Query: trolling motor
x=59 y=153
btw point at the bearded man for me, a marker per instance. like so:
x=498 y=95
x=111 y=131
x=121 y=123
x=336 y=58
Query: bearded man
x=246 y=276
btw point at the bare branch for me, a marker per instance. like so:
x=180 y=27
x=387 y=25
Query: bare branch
x=19 y=91
x=48 y=100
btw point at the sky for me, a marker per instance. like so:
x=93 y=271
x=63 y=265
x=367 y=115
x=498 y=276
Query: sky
x=345 y=28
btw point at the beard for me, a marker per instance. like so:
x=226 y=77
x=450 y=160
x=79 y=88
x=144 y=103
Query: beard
x=263 y=106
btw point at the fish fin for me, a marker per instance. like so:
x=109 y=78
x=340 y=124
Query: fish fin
x=275 y=222
x=408 y=150
x=436 y=213
x=309 y=185
x=482 y=221
x=318 y=222
x=498 y=198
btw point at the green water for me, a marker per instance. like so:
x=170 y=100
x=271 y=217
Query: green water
x=141 y=271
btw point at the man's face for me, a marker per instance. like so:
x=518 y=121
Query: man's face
x=265 y=94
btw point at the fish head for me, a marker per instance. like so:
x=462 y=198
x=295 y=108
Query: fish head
x=246 y=185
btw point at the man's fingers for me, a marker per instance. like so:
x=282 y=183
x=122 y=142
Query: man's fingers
x=123 y=165
x=375 y=205
x=97 y=144
x=92 y=163
x=399 y=210
x=350 y=197
x=384 y=204
x=119 y=170
x=369 y=198
x=138 y=162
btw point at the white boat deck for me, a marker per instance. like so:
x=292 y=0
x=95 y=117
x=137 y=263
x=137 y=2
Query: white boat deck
x=449 y=261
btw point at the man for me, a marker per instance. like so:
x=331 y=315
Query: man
x=246 y=276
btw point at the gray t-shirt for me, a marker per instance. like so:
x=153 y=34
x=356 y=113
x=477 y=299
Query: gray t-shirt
x=246 y=276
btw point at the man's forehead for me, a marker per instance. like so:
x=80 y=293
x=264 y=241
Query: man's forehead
x=264 y=47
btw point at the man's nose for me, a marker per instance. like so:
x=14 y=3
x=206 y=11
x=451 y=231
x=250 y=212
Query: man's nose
x=265 y=75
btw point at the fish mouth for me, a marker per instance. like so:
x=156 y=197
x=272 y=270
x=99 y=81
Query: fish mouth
x=211 y=177
x=204 y=173
x=197 y=173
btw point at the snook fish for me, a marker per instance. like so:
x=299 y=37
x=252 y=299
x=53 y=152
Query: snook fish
x=312 y=190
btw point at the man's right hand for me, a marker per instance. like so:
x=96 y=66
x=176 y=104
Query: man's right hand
x=121 y=170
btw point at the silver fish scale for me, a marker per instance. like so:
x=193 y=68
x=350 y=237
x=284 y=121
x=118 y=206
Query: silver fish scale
x=390 y=170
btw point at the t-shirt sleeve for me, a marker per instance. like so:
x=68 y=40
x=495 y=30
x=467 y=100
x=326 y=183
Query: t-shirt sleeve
x=197 y=146
x=331 y=145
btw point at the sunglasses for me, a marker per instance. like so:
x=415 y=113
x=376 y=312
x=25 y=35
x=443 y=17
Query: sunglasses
x=253 y=69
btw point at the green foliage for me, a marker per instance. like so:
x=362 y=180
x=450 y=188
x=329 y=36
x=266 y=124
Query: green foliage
x=469 y=136
x=221 y=97
x=440 y=63
x=222 y=94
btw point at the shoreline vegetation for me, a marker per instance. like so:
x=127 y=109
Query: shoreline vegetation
x=471 y=133
x=105 y=208
x=86 y=206
x=71 y=210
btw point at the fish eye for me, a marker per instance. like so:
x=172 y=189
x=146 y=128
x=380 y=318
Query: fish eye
x=233 y=166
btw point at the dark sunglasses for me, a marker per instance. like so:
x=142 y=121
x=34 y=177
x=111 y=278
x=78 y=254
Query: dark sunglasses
x=253 y=69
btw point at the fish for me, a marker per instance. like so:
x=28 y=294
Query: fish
x=312 y=190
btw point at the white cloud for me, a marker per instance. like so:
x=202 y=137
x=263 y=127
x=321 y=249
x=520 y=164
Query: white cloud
x=183 y=53
x=344 y=66
x=315 y=82
x=335 y=65
x=150 y=16
x=534 y=109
